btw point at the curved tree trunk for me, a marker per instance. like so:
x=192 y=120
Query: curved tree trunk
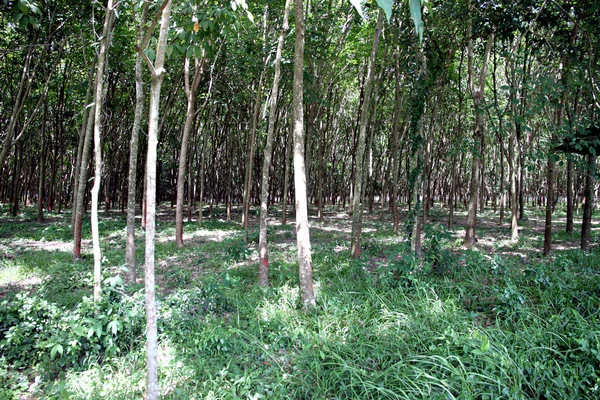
x=263 y=268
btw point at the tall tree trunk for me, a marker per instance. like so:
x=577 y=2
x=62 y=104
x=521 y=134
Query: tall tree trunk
x=22 y=93
x=42 y=177
x=569 y=227
x=302 y=229
x=98 y=100
x=477 y=91
x=158 y=74
x=263 y=269
x=82 y=183
x=588 y=207
x=191 y=92
x=360 y=150
x=252 y=139
x=140 y=102
x=286 y=173
x=398 y=102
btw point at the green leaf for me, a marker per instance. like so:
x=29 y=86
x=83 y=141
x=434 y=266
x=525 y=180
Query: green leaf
x=485 y=345
x=250 y=16
x=358 y=4
x=415 y=14
x=56 y=349
x=386 y=6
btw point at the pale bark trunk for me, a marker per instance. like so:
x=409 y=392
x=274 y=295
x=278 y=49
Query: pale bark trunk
x=263 y=269
x=98 y=101
x=302 y=228
x=190 y=91
x=158 y=73
x=130 y=259
x=360 y=151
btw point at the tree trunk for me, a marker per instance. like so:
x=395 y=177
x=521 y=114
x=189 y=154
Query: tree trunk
x=130 y=259
x=302 y=229
x=158 y=73
x=286 y=174
x=569 y=227
x=478 y=136
x=588 y=207
x=98 y=101
x=42 y=177
x=252 y=140
x=360 y=150
x=190 y=91
x=263 y=269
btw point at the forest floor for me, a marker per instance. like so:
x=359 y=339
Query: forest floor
x=498 y=320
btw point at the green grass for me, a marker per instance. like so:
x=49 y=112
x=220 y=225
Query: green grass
x=472 y=324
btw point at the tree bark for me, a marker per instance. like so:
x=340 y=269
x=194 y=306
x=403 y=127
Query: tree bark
x=130 y=259
x=588 y=207
x=360 y=150
x=98 y=101
x=302 y=228
x=158 y=73
x=478 y=136
x=191 y=92
x=263 y=268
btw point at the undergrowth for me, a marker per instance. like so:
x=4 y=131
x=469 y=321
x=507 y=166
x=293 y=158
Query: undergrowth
x=450 y=325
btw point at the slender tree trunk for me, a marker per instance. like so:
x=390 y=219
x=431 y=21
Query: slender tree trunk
x=158 y=74
x=190 y=91
x=22 y=93
x=302 y=229
x=252 y=140
x=80 y=146
x=588 y=207
x=263 y=269
x=360 y=151
x=42 y=177
x=98 y=100
x=286 y=173
x=478 y=136
x=140 y=102
x=399 y=99
x=549 y=204
x=569 y=227
x=82 y=183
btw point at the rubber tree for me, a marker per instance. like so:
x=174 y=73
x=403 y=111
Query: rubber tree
x=477 y=87
x=157 y=71
x=263 y=249
x=191 y=91
x=302 y=229
x=109 y=19
x=140 y=102
x=360 y=150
